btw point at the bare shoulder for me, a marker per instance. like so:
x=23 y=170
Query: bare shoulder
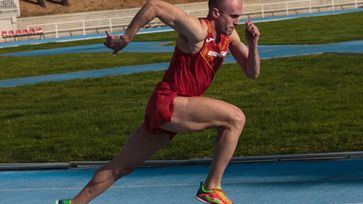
x=183 y=23
x=200 y=30
x=193 y=45
x=204 y=29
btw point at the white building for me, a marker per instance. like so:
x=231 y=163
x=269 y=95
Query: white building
x=9 y=11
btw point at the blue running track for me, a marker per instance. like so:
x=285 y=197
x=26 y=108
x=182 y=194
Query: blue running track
x=294 y=182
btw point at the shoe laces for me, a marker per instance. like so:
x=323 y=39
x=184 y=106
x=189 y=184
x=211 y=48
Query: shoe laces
x=222 y=194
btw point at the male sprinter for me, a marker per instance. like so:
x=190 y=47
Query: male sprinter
x=177 y=104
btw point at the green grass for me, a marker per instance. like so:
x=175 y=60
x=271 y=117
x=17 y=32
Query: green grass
x=50 y=45
x=298 y=105
x=312 y=30
x=12 y=67
x=295 y=31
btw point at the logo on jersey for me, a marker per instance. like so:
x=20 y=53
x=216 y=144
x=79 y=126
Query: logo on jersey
x=208 y=40
x=217 y=54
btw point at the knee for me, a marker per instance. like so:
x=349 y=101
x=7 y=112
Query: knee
x=115 y=172
x=237 y=119
x=122 y=171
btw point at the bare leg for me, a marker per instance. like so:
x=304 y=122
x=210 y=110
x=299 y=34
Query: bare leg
x=226 y=144
x=140 y=146
x=198 y=113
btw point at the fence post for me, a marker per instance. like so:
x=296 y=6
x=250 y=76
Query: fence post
x=56 y=31
x=310 y=5
x=332 y=5
x=84 y=27
x=356 y=3
x=287 y=8
x=262 y=11
x=110 y=24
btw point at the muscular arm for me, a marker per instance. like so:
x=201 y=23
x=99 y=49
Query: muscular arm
x=247 y=57
x=187 y=26
x=172 y=16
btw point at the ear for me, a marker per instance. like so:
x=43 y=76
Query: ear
x=215 y=13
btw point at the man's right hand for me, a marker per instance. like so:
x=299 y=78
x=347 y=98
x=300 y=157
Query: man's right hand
x=252 y=33
x=115 y=43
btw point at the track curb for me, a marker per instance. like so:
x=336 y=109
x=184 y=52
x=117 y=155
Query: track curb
x=189 y=162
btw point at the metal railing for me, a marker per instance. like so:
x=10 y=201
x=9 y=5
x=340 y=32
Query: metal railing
x=287 y=6
x=84 y=27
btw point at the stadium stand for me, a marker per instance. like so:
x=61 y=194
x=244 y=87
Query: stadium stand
x=90 y=22
x=18 y=34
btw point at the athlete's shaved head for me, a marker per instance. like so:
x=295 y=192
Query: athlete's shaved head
x=225 y=14
x=219 y=3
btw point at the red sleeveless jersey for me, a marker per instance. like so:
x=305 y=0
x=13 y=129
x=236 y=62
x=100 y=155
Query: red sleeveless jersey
x=188 y=75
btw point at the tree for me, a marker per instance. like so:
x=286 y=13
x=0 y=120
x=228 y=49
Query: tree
x=65 y=2
x=42 y=3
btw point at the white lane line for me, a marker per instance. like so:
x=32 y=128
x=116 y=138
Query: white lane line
x=241 y=182
x=78 y=188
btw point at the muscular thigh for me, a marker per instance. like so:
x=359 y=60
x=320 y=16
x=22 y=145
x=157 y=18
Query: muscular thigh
x=198 y=113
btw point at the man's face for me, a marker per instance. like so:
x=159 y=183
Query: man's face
x=229 y=15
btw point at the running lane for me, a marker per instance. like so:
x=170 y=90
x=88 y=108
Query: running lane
x=323 y=182
x=267 y=51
